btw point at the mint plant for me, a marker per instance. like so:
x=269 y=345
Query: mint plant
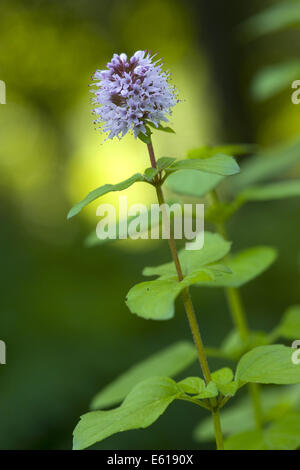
x=134 y=95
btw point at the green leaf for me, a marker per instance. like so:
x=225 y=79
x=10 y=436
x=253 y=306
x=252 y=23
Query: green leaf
x=230 y=389
x=268 y=364
x=218 y=164
x=142 y=407
x=280 y=190
x=245 y=267
x=284 y=434
x=193 y=182
x=207 y=151
x=149 y=173
x=159 y=127
x=214 y=249
x=107 y=188
x=248 y=440
x=289 y=326
x=279 y=16
x=269 y=192
x=164 y=162
x=281 y=435
x=268 y=164
x=273 y=79
x=210 y=391
x=239 y=417
x=222 y=376
x=146 y=138
x=155 y=299
x=169 y=361
x=192 y=385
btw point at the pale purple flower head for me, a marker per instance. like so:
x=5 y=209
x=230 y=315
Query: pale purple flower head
x=130 y=93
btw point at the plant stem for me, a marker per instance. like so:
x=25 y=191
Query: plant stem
x=190 y=312
x=218 y=430
x=240 y=321
x=236 y=307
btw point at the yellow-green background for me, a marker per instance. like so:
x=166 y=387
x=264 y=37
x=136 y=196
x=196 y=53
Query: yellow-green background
x=63 y=317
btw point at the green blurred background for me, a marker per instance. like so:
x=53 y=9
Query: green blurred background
x=63 y=317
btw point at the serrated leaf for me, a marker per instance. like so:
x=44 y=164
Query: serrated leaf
x=268 y=365
x=222 y=376
x=167 y=362
x=192 y=182
x=155 y=299
x=107 y=188
x=229 y=389
x=192 y=385
x=214 y=249
x=144 y=404
x=267 y=164
x=210 y=391
x=289 y=326
x=245 y=266
x=207 y=151
x=218 y=164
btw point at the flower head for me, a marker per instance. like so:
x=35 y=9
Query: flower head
x=131 y=93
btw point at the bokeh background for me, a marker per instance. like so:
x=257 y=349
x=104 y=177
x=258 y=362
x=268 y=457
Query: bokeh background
x=63 y=317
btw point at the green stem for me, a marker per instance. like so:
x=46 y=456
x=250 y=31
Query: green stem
x=218 y=430
x=240 y=321
x=190 y=312
x=237 y=311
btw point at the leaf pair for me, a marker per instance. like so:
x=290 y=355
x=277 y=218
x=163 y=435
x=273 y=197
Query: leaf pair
x=221 y=382
x=144 y=404
x=155 y=299
x=218 y=164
